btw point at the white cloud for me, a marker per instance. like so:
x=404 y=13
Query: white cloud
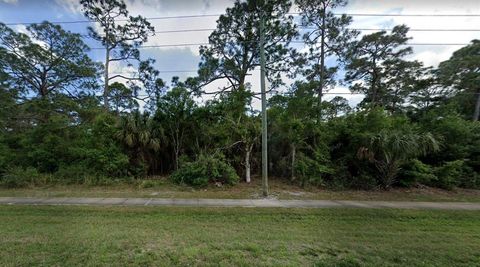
x=9 y=1
x=353 y=99
x=429 y=55
x=21 y=29
x=73 y=6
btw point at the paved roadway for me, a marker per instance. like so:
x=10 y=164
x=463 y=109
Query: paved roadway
x=254 y=203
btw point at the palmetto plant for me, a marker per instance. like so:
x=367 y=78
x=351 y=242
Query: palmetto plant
x=138 y=133
x=389 y=149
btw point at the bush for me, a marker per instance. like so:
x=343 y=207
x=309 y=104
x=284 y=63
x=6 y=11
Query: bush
x=5 y=156
x=416 y=172
x=81 y=174
x=72 y=174
x=312 y=171
x=67 y=174
x=353 y=133
x=100 y=180
x=147 y=184
x=18 y=177
x=108 y=161
x=206 y=169
x=448 y=174
x=456 y=174
x=461 y=140
x=469 y=178
x=363 y=181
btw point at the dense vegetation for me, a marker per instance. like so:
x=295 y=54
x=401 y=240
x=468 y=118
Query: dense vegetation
x=67 y=119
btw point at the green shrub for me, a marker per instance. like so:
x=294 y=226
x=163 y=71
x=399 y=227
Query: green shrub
x=456 y=174
x=81 y=174
x=355 y=133
x=416 y=172
x=311 y=171
x=364 y=181
x=469 y=178
x=206 y=169
x=100 y=180
x=107 y=161
x=5 y=156
x=461 y=142
x=147 y=184
x=448 y=175
x=72 y=174
x=19 y=177
x=471 y=181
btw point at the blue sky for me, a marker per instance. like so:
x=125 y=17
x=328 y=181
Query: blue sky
x=179 y=58
x=186 y=58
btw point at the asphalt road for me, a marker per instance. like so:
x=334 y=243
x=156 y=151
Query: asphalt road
x=254 y=203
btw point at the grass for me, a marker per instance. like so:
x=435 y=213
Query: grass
x=281 y=189
x=147 y=236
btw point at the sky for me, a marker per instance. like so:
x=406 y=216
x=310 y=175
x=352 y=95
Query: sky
x=187 y=58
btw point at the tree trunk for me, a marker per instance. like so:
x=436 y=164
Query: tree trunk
x=45 y=107
x=476 y=114
x=322 y=67
x=162 y=170
x=394 y=103
x=176 y=158
x=294 y=152
x=247 y=165
x=106 y=75
x=374 y=89
x=176 y=143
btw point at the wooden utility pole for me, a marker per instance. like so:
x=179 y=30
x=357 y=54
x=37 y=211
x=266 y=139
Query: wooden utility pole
x=264 y=109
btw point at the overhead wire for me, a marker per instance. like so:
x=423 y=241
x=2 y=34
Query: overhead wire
x=217 y=15
x=294 y=42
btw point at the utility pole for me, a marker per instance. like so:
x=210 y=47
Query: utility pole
x=264 y=109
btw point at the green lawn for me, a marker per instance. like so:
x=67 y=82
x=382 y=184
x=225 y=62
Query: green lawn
x=162 y=188
x=151 y=236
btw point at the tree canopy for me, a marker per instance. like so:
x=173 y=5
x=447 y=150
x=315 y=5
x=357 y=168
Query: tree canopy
x=120 y=40
x=233 y=50
x=62 y=122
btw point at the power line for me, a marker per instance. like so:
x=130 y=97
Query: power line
x=420 y=30
x=120 y=20
x=158 y=46
x=295 y=42
x=163 y=71
x=160 y=71
x=53 y=22
x=436 y=44
x=357 y=29
x=327 y=93
x=362 y=94
x=407 y=15
x=217 y=15
x=184 y=17
x=309 y=28
x=143 y=95
x=186 y=30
